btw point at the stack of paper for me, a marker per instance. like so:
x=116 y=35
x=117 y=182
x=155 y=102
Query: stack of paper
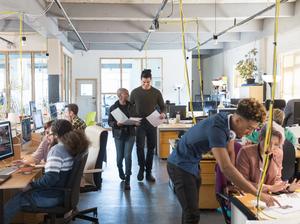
x=123 y=119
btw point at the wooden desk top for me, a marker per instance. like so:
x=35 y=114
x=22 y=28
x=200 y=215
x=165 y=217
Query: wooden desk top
x=174 y=126
x=19 y=181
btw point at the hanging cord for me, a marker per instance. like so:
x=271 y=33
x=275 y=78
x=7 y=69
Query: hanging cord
x=146 y=55
x=269 y=126
x=186 y=75
x=21 y=60
x=199 y=67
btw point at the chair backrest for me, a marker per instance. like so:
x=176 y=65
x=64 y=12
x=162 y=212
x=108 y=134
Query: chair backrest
x=288 y=162
x=97 y=153
x=74 y=180
x=278 y=103
x=90 y=118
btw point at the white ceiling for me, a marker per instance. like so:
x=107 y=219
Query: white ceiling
x=117 y=24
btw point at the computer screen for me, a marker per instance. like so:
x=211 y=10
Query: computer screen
x=181 y=109
x=26 y=129
x=234 y=101
x=32 y=107
x=6 y=143
x=208 y=105
x=37 y=118
x=297 y=113
x=53 y=112
x=227 y=110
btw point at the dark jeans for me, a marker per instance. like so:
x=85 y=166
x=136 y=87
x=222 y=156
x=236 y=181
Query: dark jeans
x=14 y=205
x=124 y=150
x=187 y=191
x=143 y=131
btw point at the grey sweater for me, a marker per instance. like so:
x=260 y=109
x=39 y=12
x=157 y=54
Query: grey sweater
x=146 y=101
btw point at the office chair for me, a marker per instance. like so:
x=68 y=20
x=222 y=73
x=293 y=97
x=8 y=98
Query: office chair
x=71 y=194
x=278 y=103
x=288 y=162
x=90 y=118
x=221 y=184
x=92 y=175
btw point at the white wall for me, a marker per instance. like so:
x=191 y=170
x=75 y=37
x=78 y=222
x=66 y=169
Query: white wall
x=34 y=42
x=213 y=67
x=87 y=65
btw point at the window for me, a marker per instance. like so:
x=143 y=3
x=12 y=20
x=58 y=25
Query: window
x=34 y=84
x=125 y=73
x=2 y=83
x=67 y=77
x=20 y=82
x=290 y=75
x=41 y=80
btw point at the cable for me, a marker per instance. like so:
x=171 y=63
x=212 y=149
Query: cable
x=199 y=67
x=21 y=60
x=186 y=75
x=269 y=125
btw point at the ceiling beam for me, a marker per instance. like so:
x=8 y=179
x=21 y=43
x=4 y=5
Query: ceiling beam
x=139 y=37
x=146 y=12
x=136 y=46
x=142 y=27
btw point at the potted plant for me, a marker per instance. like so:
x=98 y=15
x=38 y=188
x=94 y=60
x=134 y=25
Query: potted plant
x=247 y=66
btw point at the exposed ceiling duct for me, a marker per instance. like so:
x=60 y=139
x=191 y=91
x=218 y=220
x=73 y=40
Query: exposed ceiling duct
x=71 y=24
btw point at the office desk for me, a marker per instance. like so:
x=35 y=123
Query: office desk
x=166 y=132
x=242 y=209
x=17 y=181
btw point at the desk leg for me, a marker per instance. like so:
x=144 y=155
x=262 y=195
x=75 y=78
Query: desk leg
x=1 y=206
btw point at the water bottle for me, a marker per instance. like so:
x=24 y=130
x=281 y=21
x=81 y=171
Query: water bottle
x=177 y=117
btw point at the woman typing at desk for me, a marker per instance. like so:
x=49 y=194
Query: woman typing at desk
x=42 y=151
x=57 y=170
x=250 y=159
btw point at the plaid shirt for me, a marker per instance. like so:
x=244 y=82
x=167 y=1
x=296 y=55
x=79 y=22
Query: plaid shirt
x=78 y=123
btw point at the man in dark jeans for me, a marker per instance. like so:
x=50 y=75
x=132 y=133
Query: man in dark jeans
x=216 y=134
x=146 y=99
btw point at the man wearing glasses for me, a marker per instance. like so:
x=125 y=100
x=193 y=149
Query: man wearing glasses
x=216 y=133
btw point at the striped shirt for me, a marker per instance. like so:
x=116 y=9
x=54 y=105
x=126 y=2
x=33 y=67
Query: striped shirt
x=57 y=170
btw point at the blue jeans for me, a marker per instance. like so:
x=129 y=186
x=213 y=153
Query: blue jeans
x=15 y=204
x=124 y=150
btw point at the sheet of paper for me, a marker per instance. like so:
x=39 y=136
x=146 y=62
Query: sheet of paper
x=119 y=115
x=132 y=121
x=293 y=200
x=154 y=119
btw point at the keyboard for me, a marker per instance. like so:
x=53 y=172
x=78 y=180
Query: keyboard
x=8 y=170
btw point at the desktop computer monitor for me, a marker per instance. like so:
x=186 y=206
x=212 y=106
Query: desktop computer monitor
x=32 y=107
x=26 y=129
x=208 y=105
x=234 y=101
x=227 y=110
x=37 y=118
x=53 y=112
x=6 y=143
x=181 y=109
x=297 y=113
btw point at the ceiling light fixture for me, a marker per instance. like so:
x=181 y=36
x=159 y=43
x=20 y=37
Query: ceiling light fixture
x=23 y=41
x=215 y=37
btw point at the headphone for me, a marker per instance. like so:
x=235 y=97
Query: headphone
x=232 y=134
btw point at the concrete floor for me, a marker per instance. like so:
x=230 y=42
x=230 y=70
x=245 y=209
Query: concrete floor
x=144 y=203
